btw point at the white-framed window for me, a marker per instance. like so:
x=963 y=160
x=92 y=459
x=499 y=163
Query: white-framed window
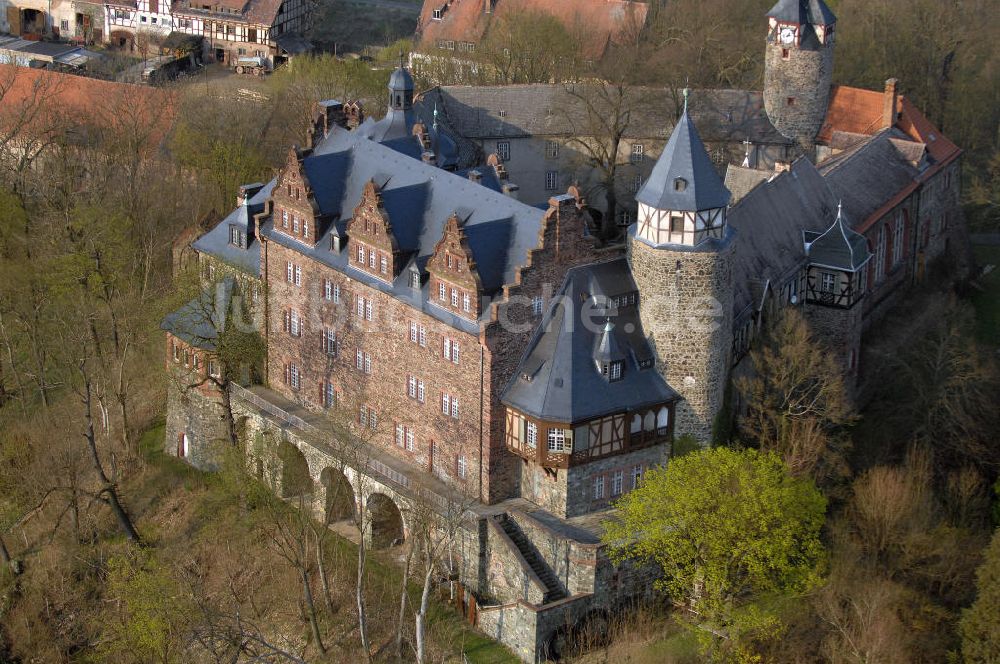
x=295 y=223
x=331 y=291
x=536 y=305
x=636 y=476
x=446 y=404
x=414 y=332
x=466 y=302
x=290 y=272
x=599 y=487
x=359 y=360
x=531 y=435
x=409 y=440
x=294 y=323
x=329 y=395
x=551 y=150
x=503 y=150
x=617 y=480
x=363 y=307
x=454 y=297
x=383 y=265
x=436 y=14
x=452 y=350
x=415 y=280
x=638 y=153
x=557 y=441
x=551 y=180
x=368 y=363
x=305 y=228
x=329 y=341
x=361 y=254
x=461 y=466
x=828 y=282
x=616 y=371
x=400 y=435
x=371 y=259
x=293 y=376
x=454 y=407
x=423 y=337
x=363 y=415
x=237 y=237
x=442 y=291
x=635 y=184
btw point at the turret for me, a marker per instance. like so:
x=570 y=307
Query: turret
x=680 y=253
x=798 y=68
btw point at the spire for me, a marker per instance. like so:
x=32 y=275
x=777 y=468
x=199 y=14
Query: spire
x=684 y=178
x=839 y=246
x=607 y=350
x=746 y=153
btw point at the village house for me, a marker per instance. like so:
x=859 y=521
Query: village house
x=434 y=340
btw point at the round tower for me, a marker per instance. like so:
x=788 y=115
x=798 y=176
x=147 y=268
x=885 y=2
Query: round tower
x=798 y=68
x=680 y=251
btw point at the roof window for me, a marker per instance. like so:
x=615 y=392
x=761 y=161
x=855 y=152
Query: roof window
x=680 y=184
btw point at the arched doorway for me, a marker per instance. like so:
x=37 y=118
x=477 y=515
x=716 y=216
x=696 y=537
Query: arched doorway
x=295 y=479
x=385 y=521
x=339 y=496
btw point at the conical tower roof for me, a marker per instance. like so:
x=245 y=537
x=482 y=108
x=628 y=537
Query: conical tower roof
x=803 y=12
x=684 y=178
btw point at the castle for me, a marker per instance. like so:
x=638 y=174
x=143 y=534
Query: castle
x=432 y=340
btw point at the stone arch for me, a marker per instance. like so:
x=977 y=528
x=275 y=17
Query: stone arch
x=338 y=496
x=295 y=479
x=385 y=521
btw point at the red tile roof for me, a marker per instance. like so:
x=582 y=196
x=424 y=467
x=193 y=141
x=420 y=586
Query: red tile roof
x=858 y=111
x=41 y=102
x=606 y=21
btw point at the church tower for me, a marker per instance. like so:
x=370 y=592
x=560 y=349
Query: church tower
x=798 y=68
x=680 y=251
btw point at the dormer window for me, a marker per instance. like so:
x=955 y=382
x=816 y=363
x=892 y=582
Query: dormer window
x=436 y=15
x=680 y=184
x=616 y=371
x=237 y=237
x=415 y=279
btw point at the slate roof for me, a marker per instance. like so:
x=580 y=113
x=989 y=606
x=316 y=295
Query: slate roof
x=684 y=159
x=418 y=198
x=605 y=22
x=769 y=222
x=550 y=110
x=803 y=12
x=565 y=385
x=197 y=322
x=869 y=174
x=838 y=247
x=216 y=241
x=740 y=180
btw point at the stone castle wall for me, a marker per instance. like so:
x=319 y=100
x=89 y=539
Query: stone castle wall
x=686 y=304
x=803 y=79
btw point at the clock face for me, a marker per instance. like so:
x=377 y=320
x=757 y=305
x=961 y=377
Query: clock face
x=787 y=35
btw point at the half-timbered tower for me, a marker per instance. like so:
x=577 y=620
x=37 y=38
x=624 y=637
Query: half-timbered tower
x=680 y=252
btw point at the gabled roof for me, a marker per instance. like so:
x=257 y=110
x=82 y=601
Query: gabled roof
x=684 y=177
x=769 y=222
x=869 y=174
x=542 y=109
x=557 y=379
x=199 y=321
x=803 y=12
x=601 y=22
x=837 y=247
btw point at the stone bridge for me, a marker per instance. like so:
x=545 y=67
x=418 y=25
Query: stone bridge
x=304 y=455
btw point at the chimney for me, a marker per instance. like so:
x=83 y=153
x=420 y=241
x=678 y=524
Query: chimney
x=248 y=191
x=889 y=104
x=429 y=157
x=475 y=176
x=782 y=166
x=510 y=189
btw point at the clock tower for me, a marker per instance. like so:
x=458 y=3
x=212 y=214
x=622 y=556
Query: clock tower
x=798 y=68
x=680 y=251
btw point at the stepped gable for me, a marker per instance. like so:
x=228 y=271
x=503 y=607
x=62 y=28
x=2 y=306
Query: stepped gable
x=557 y=378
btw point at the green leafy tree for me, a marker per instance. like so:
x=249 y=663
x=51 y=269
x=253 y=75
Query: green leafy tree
x=980 y=626
x=725 y=527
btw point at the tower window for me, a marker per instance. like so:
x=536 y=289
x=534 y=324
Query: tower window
x=680 y=184
x=785 y=53
x=790 y=101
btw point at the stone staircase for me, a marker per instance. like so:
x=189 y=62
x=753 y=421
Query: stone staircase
x=553 y=589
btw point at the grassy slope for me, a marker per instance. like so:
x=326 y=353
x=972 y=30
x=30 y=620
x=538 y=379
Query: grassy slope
x=186 y=513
